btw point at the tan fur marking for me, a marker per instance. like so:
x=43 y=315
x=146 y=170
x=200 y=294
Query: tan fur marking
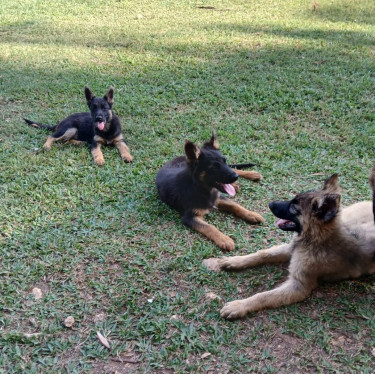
x=212 y=233
x=97 y=155
x=249 y=174
x=202 y=176
x=215 y=144
x=99 y=139
x=76 y=142
x=230 y=206
x=49 y=142
x=201 y=212
x=122 y=148
x=68 y=135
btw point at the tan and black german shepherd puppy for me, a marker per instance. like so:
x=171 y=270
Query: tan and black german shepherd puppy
x=97 y=127
x=329 y=245
x=192 y=184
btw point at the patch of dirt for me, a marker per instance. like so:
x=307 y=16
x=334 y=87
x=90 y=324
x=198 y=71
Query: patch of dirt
x=288 y=352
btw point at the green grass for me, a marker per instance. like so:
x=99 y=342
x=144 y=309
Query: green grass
x=286 y=87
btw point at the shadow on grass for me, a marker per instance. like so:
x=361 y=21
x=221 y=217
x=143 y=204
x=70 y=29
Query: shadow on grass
x=359 y=11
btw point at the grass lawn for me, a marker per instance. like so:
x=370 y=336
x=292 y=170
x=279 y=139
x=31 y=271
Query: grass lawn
x=288 y=85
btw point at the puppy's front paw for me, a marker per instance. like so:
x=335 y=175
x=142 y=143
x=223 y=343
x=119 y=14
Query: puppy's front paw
x=127 y=158
x=225 y=243
x=234 y=310
x=212 y=264
x=230 y=263
x=252 y=217
x=99 y=161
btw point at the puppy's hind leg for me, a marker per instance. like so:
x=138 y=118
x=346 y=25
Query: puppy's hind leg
x=63 y=135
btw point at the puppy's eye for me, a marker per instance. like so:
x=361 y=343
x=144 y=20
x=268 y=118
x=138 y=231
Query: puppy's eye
x=294 y=207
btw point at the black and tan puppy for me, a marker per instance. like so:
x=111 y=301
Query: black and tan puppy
x=328 y=245
x=97 y=127
x=192 y=184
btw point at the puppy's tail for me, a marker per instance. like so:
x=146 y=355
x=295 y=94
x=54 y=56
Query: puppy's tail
x=39 y=125
x=241 y=166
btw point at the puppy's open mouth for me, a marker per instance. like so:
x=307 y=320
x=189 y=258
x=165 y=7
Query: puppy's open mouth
x=226 y=188
x=285 y=224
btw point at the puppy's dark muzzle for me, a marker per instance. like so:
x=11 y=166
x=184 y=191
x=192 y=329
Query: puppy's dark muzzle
x=230 y=178
x=280 y=209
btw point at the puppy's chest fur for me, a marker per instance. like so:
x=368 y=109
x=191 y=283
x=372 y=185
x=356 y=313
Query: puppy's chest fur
x=349 y=254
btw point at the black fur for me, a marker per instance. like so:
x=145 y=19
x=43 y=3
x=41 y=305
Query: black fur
x=39 y=125
x=190 y=183
x=241 y=166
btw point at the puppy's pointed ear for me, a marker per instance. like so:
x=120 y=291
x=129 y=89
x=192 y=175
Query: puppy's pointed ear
x=327 y=208
x=89 y=95
x=332 y=184
x=191 y=150
x=109 y=96
x=212 y=143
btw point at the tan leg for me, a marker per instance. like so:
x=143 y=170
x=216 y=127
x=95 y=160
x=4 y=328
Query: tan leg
x=209 y=231
x=249 y=174
x=287 y=293
x=275 y=254
x=97 y=154
x=230 y=206
x=68 y=135
x=123 y=149
x=76 y=142
x=49 y=142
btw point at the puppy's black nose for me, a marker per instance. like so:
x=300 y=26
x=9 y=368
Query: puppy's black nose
x=99 y=118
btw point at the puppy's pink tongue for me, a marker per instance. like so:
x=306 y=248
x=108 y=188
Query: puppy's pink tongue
x=229 y=189
x=280 y=222
x=101 y=125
